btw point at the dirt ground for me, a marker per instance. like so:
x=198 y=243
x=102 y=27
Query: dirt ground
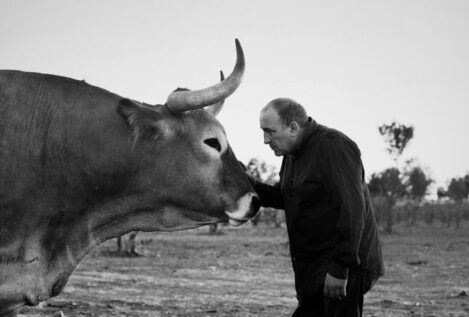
x=245 y=271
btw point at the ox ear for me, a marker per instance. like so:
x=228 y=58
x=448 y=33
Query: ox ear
x=146 y=122
x=215 y=109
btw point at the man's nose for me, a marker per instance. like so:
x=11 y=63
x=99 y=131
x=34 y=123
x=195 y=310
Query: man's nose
x=266 y=138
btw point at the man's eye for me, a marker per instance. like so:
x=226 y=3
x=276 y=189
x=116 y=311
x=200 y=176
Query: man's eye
x=213 y=142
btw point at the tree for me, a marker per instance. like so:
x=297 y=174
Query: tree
x=458 y=188
x=441 y=193
x=387 y=184
x=127 y=245
x=262 y=171
x=457 y=191
x=213 y=228
x=396 y=136
x=417 y=184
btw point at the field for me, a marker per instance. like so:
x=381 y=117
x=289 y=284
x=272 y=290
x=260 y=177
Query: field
x=245 y=271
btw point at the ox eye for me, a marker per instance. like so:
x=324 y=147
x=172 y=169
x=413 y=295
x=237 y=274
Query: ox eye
x=213 y=142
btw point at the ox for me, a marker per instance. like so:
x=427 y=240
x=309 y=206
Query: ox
x=80 y=165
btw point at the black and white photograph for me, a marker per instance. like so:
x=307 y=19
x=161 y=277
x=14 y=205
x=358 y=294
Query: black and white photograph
x=199 y=158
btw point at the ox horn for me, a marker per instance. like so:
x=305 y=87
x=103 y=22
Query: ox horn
x=215 y=109
x=180 y=101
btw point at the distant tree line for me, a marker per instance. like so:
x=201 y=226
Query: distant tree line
x=399 y=193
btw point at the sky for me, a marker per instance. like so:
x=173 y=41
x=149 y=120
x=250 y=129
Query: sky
x=354 y=65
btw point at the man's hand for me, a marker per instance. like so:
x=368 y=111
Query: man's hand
x=334 y=288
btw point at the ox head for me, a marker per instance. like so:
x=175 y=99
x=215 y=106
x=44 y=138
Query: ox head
x=187 y=168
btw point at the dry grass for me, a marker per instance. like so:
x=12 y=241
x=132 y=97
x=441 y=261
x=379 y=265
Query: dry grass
x=246 y=272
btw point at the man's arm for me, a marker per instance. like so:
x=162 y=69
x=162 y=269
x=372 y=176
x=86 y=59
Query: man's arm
x=270 y=195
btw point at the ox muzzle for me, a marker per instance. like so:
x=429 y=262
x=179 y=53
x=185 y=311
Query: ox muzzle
x=246 y=208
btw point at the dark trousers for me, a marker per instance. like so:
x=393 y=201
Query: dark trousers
x=316 y=305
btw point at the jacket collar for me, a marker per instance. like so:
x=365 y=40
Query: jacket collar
x=310 y=129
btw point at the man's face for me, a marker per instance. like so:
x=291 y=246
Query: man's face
x=276 y=134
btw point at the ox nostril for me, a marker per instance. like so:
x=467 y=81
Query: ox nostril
x=256 y=203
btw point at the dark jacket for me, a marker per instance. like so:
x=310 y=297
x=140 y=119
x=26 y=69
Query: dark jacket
x=329 y=214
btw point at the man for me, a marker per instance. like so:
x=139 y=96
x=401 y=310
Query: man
x=334 y=244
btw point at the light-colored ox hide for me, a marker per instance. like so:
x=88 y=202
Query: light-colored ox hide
x=80 y=165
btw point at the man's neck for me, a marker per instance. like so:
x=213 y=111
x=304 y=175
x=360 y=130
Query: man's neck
x=303 y=135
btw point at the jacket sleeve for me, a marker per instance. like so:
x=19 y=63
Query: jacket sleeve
x=343 y=174
x=270 y=195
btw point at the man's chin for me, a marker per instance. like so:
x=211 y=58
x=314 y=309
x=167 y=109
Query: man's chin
x=278 y=153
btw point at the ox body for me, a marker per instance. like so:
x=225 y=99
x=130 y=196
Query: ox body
x=80 y=165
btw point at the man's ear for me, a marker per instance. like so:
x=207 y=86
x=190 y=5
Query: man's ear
x=294 y=128
x=146 y=122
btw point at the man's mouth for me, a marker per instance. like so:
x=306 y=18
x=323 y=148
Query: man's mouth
x=275 y=149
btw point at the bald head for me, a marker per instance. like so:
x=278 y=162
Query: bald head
x=288 y=111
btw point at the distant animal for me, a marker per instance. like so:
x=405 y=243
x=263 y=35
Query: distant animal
x=80 y=165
